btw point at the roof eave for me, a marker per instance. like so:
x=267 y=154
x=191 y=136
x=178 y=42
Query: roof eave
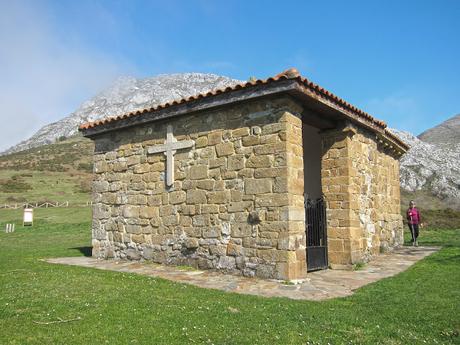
x=205 y=103
x=296 y=87
x=333 y=109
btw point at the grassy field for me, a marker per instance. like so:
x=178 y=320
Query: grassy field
x=44 y=186
x=50 y=173
x=418 y=306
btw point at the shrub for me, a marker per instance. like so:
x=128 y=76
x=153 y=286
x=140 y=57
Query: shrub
x=16 y=199
x=14 y=185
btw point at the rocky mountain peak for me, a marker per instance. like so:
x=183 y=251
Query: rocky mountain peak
x=434 y=167
x=126 y=94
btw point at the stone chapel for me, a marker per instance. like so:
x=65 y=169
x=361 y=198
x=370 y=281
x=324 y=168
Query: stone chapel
x=269 y=178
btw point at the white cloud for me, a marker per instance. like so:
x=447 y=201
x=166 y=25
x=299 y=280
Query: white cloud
x=43 y=76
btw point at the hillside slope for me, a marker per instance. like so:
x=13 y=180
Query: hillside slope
x=446 y=133
x=50 y=173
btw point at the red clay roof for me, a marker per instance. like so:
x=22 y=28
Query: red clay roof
x=292 y=74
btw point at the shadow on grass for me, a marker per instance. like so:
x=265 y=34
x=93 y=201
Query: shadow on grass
x=86 y=251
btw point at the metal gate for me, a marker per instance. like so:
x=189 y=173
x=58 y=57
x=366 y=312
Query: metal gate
x=316 y=234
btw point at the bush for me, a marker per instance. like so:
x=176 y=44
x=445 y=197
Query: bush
x=14 y=185
x=16 y=199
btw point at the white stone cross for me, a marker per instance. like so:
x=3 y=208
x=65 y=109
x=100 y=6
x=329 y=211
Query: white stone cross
x=169 y=148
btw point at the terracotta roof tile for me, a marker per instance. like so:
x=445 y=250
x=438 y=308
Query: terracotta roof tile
x=292 y=73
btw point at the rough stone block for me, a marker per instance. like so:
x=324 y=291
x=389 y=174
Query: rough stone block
x=154 y=200
x=100 y=186
x=205 y=209
x=198 y=172
x=100 y=167
x=158 y=166
x=225 y=149
x=240 y=132
x=137 y=199
x=120 y=166
x=177 y=197
x=167 y=210
x=271 y=200
x=205 y=184
x=218 y=250
x=170 y=220
x=235 y=162
x=215 y=138
x=221 y=197
x=270 y=172
x=240 y=206
x=201 y=142
x=226 y=263
x=207 y=152
x=217 y=162
x=251 y=140
x=241 y=230
x=137 y=238
x=211 y=232
x=133 y=229
x=148 y=212
x=258 y=186
x=130 y=211
x=201 y=220
x=132 y=160
x=259 y=161
x=191 y=243
x=196 y=197
x=142 y=168
x=234 y=249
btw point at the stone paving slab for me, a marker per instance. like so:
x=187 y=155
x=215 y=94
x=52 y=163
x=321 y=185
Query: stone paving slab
x=319 y=285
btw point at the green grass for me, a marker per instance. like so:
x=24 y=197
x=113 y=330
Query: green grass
x=359 y=266
x=57 y=172
x=418 y=306
x=44 y=187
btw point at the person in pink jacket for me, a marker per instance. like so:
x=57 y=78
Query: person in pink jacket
x=414 y=221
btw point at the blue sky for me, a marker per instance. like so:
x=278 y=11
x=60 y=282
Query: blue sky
x=398 y=60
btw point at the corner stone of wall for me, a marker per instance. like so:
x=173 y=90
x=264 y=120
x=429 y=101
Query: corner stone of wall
x=361 y=185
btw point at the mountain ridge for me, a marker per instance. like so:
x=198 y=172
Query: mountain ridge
x=420 y=168
x=126 y=94
x=446 y=132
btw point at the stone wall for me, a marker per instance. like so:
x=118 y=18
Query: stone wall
x=361 y=183
x=237 y=201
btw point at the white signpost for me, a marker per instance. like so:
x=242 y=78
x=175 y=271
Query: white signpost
x=28 y=217
x=169 y=149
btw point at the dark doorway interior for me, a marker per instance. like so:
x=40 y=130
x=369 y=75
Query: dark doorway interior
x=315 y=206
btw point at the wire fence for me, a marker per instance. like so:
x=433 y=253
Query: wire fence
x=44 y=205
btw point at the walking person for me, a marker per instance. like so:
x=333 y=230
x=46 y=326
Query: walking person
x=414 y=221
